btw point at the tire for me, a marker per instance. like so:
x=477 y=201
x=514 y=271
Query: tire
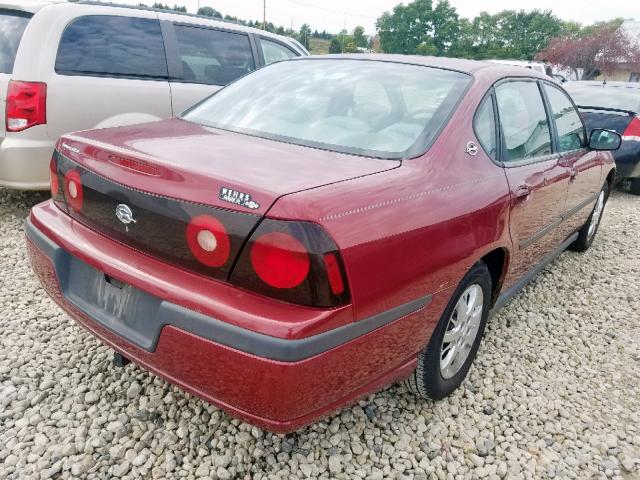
x=587 y=233
x=431 y=378
x=634 y=186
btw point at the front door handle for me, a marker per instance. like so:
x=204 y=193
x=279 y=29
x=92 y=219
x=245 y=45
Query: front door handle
x=522 y=192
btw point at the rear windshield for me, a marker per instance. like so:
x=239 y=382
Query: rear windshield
x=608 y=97
x=363 y=107
x=12 y=25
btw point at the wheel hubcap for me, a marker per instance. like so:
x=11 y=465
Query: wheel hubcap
x=595 y=216
x=462 y=331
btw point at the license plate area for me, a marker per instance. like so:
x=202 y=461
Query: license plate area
x=116 y=305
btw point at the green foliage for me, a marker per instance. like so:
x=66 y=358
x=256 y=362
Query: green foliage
x=304 y=35
x=209 y=12
x=175 y=8
x=428 y=27
x=359 y=38
x=335 y=46
x=419 y=23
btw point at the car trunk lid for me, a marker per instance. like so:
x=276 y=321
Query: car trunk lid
x=144 y=185
x=196 y=163
x=616 y=120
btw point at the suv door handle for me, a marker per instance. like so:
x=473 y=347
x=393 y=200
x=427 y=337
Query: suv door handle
x=523 y=191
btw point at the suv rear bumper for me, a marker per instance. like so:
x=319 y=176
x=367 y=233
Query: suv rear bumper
x=24 y=163
x=277 y=382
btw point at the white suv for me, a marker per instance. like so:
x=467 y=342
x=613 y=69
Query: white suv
x=84 y=65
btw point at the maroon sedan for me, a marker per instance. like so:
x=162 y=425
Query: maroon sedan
x=320 y=228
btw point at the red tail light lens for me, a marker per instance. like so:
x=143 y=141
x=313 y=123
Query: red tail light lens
x=53 y=174
x=292 y=261
x=632 y=132
x=280 y=260
x=26 y=105
x=334 y=273
x=73 y=189
x=208 y=240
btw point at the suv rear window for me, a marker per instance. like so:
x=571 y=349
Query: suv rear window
x=12 y=25
x=112 y=46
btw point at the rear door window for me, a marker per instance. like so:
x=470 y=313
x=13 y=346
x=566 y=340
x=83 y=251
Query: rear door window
x=112 y=46
x=484 y=125
x=12 y=26
x=524 y=121
x=213 y=57
x=275 y=52
x=571 y=132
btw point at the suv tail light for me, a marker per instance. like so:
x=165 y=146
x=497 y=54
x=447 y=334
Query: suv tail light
x=632 y=132
x=292 y=261
x=26 y=105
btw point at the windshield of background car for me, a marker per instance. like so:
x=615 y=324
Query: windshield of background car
x=608 y=97
x=12 y=25
x=362 y=107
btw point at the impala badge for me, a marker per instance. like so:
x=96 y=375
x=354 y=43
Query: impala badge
x=239 y=198
x=125 y=215
x=472 y=149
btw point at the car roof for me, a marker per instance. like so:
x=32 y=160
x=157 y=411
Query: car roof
x=600 y=83
x=34 y=6
x=463 y=65
x=31 y=6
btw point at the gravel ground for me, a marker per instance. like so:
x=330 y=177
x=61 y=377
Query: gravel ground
x=554 y=393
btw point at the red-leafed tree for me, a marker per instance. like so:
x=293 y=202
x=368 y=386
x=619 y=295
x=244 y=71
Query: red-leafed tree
x=603 y=50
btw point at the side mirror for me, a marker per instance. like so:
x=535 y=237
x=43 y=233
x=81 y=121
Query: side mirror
x=604 y=140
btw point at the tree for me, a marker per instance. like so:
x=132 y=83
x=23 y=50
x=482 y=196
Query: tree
x=335 y=46
x=418 y=23
x=360 y=38
x=305 y=34
x=209 y=12
x=601 y=50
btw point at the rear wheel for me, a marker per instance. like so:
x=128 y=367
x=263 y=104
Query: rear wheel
x=445 y=361
x=588 y=231
x=634 y=186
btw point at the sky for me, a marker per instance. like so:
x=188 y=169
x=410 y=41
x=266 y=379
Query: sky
x=334 y=15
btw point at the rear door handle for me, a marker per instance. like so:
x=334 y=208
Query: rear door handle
x=522 y=192
x=573 y=174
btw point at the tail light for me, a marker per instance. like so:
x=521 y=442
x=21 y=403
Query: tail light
x=632 y=132
x=73 y=190
x=208 y=240
x=53 y=176
x=280 y=260
x=26 y=105
x=292 y=261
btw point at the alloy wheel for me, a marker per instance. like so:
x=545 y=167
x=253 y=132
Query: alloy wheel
x=461 y=331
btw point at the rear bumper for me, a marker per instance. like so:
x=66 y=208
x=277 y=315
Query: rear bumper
x=276 y=382
x=627 y=159
x=24 y=162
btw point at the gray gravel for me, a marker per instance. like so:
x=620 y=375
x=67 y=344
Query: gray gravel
x=555 y=392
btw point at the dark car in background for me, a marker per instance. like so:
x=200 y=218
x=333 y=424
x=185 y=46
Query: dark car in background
x=614 y=106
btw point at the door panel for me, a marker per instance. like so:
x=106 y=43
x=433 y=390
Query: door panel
x=583 y=166
x=538 y=183
x=538 y=193
x=97 y=87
